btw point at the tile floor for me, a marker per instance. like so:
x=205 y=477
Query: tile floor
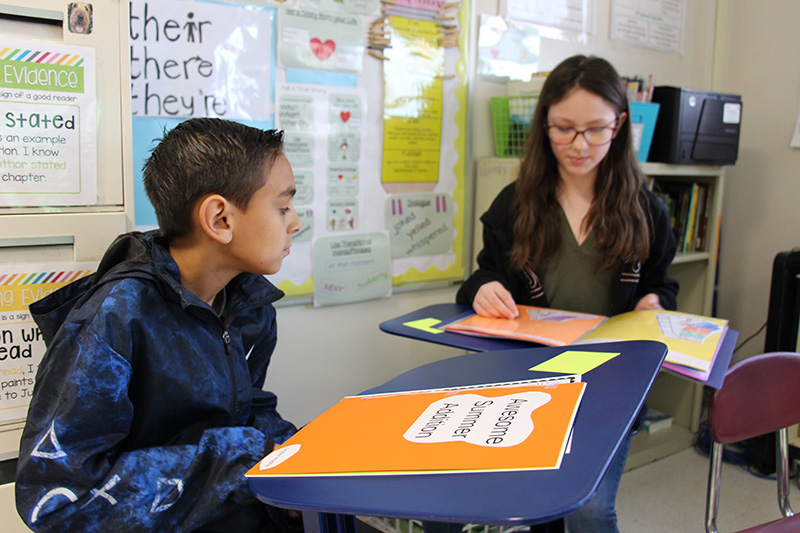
x=669 y=496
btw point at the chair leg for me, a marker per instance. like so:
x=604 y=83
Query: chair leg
x=712 y=492
x=782 y=454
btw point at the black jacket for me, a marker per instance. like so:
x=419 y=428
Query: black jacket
x=632 y=282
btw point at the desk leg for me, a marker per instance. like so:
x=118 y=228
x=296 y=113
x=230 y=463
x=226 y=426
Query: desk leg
x=328 y=523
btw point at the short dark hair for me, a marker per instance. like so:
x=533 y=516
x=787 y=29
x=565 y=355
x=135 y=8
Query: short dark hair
x=203 y=156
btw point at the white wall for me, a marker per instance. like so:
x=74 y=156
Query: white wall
x=326 y=353
x=758 y=56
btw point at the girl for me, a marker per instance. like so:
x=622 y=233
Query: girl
x=578 y=229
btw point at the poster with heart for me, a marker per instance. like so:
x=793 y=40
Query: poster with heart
x=320 y=40
x=345 y=111
x=342 y=180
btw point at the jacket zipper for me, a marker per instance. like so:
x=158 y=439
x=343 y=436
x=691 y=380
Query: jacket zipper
x=226 y=341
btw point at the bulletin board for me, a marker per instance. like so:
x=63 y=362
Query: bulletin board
x=372 y=98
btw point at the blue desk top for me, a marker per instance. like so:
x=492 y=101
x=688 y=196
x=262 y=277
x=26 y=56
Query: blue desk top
x=451 y=312
x=615 y=392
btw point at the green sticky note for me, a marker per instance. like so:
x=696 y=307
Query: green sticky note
x=425 y=324
x=574 y=362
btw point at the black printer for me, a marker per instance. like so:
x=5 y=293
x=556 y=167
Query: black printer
x=696 y=127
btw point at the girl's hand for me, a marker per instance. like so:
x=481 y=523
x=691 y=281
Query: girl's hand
x=649 y=302
x=494 y=300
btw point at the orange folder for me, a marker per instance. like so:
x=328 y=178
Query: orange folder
x=535 y=324
x=484 y=428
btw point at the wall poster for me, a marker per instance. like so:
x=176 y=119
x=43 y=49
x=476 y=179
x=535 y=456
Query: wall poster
x=304 y=67
x=48 y=130
x=657 y=24
x=21 y=343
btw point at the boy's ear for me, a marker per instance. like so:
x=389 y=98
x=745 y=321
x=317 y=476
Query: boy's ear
x=215 y=218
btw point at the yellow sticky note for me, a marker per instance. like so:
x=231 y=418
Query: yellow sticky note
x=575 y=362
x=425 y=324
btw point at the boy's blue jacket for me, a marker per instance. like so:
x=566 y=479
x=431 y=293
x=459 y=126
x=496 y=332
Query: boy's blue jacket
x=148 y=407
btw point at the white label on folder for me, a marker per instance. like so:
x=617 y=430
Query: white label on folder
x=731 y=113
x=278 y=456
x=500 y=421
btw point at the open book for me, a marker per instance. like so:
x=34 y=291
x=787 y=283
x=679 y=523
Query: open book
x=494 y=427
x=693 y=340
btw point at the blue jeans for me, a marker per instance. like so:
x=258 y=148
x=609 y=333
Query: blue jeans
x=599 y=515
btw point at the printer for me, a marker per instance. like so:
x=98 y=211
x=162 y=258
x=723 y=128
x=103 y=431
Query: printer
x=696 y=127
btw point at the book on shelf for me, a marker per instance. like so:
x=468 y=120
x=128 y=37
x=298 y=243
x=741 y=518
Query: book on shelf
x=655 y=421
x=689 y=205
x=693 y=340
x=691 y=214
x=496 y=427
x=702 y=218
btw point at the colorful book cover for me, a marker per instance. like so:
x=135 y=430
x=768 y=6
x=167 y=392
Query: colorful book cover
x=536 y=324
x=493 y=427
x=693 y=340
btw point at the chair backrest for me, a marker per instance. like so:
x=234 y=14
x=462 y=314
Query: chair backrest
x=760 y=394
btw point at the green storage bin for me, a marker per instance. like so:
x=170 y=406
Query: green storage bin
x=511 y=120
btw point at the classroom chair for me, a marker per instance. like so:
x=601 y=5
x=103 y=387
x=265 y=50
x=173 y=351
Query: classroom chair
x=759 y=395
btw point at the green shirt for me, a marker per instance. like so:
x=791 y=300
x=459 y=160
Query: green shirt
x=569 y=280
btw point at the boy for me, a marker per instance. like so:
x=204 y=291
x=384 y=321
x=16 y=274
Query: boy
x=148 y=406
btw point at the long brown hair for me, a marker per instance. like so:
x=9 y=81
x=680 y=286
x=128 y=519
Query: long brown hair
x=616 y=214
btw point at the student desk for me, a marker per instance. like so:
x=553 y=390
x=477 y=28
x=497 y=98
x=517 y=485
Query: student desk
x=615 y=392
x=437 y=315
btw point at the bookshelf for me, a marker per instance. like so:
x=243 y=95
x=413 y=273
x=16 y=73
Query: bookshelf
x=694 y=270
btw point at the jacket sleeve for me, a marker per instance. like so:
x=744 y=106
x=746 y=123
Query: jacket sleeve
x=663 y=245
x=74 y=473
x=264 y=411
x=492 y=260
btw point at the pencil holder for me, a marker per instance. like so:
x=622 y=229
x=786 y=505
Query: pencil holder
x=511 y=120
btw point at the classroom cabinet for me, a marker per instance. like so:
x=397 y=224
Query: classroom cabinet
x=694 y=268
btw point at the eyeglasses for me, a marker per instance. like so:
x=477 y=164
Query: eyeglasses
x=593 y=136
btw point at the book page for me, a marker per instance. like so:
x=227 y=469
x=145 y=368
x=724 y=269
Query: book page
x=692 y=340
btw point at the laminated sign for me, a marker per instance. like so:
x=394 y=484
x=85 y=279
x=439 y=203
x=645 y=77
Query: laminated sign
x=48 y=132
x=21 y=343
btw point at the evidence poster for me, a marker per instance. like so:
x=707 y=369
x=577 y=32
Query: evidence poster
x=21 y=343
x=48 y=131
